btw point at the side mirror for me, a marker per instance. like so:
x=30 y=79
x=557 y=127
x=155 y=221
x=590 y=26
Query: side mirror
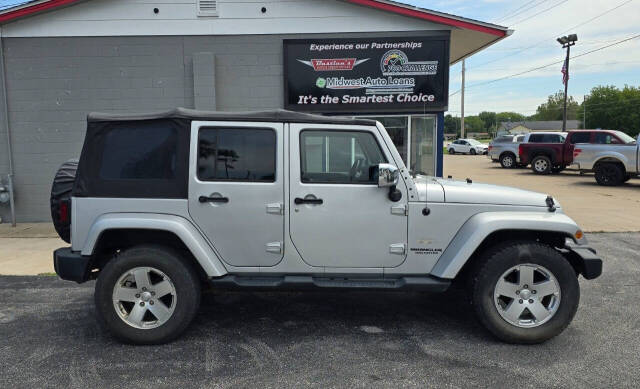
x=388 y=175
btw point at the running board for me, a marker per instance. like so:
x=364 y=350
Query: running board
x=426 y=283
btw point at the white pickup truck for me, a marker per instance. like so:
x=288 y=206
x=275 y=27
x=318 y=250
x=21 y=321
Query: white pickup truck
x=614 y=163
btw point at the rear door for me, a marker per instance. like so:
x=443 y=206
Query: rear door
x=339 y=216
x=236 y=189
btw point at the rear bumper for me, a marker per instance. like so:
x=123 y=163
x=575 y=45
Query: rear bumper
x=71 y=265
x=586 y=260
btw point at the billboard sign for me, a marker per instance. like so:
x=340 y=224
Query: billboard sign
x=400 y=74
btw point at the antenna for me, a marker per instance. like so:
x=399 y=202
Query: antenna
x=425 y=211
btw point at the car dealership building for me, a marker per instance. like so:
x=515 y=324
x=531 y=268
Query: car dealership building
x=62 y=59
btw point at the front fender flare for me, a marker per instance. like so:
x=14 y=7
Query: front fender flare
x=471 y=235
x=181 y=227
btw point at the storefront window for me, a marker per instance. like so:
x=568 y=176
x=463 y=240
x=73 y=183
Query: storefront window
x=398 y=129
x=415 y=134
x=422 y=145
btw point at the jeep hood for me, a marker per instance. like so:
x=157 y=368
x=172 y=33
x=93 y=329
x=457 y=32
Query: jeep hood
x=451 y=191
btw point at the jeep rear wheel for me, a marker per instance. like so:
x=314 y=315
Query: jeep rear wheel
x=525 y=292
x=147 y=295
x=609 y=174
x=541 y=165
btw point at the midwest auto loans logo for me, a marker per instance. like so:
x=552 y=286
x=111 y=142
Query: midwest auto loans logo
x=333 y=64
x=396 y=63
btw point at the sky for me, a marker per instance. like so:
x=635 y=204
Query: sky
x=536 y=26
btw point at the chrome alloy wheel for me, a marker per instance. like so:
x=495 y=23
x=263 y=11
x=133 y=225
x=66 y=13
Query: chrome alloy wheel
x=541 y=165
x=527 y=295
x=507 y=161
x=144 y=297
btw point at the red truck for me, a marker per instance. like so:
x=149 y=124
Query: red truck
x=546 y=158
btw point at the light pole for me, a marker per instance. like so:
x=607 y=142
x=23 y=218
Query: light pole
x=566 y=41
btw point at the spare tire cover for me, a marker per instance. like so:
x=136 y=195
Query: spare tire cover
x=61 y=191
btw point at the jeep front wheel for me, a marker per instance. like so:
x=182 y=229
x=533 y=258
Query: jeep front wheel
x=147 y=295
x=525 y=292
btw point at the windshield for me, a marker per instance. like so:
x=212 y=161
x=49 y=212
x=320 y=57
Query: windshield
x=473 y=142
x=624 y=137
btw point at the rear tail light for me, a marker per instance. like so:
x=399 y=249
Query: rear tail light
x=490 y=147
x=63 y=212
x=520 y=151
x=576 y=152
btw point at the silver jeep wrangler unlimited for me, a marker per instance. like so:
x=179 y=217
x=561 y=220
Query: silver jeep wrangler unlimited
x=161 y=204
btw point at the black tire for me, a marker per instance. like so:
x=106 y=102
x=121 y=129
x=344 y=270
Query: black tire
x=541 y=164
x=609 y=174
x=452 y=151
x=61 y=197
x=170 y=262
x=501 y=258
x=508 y=161
x=627 y=177
x=472 y=152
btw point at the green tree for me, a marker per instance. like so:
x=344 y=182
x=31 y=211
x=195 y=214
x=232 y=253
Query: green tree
x=451 y=124
x=489 y=119
x=554 y=107
x=610 y=108
x=509 y=117
x=473 y=124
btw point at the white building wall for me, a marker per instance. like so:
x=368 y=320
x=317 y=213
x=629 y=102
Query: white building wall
x=180 y=17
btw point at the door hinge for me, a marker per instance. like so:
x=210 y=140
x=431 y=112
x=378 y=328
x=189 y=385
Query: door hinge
x=401 y=210
x=397 y=248
x=274 y=247
x=275 y=208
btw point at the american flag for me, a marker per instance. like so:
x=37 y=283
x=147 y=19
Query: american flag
x=565 y=73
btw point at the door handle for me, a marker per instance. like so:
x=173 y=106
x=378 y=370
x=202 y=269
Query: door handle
x=207 y=199
x=299 y=200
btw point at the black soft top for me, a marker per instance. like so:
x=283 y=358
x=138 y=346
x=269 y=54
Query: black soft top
x=276 y=115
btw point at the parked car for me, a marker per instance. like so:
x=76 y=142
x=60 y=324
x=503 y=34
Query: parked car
x=614 y=161
x=504 y=149
x=161 y=204
x=467 y=146
x=553 y=157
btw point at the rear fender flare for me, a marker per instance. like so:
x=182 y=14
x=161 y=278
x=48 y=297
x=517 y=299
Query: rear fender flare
x=471 y=235
x=181 y=227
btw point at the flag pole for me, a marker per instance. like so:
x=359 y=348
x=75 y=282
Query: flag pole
x=566 y=87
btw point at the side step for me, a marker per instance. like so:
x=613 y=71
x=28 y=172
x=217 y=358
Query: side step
x=426 y=283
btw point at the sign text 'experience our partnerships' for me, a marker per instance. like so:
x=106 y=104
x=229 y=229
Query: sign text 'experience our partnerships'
x=405 y=74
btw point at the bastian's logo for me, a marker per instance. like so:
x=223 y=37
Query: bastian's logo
x=396 y=63
x=333 y=64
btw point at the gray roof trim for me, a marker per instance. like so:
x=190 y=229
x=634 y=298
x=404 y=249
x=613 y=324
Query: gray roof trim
x=278 y=115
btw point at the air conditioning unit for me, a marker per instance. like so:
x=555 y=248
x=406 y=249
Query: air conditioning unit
x=207 y=8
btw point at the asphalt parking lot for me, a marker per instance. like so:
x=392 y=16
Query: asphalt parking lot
x=49 y=337
x=595 y=208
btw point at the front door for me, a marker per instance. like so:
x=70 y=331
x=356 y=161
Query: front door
x=339 y=216
x=236 y=189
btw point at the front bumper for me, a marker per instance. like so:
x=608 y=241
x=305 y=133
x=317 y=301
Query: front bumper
x=71 y=265
x=586 y=260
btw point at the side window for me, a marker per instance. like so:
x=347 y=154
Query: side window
x=237 y=154
x=603 y=138
x=140 y=151
x=535 y=138
x=580 y=137
x=339 y=157
x=520 y=139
